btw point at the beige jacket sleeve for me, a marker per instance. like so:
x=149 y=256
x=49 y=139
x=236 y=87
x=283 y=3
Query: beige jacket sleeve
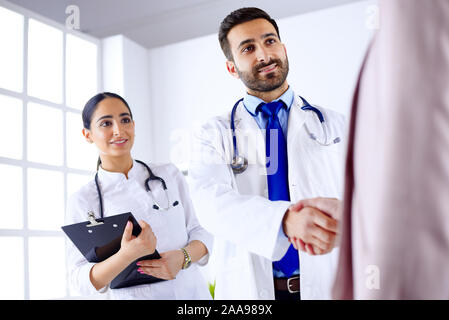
x=396 y=223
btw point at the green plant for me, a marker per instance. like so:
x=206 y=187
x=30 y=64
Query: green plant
x=212 y=289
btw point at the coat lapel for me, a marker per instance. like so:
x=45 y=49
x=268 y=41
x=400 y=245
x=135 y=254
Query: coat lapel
x=296 y=119
x=250 y=138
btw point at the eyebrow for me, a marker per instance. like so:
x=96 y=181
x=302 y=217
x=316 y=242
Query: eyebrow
x=266 y=35
x=110 y=117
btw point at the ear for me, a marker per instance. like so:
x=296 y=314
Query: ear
x=230 y=65
x=86 y=134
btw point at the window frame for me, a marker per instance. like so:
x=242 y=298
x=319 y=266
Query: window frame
x=25 y=233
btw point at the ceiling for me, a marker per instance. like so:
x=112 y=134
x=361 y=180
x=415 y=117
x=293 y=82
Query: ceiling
x=154 y=23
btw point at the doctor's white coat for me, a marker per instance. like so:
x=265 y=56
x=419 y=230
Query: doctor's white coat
x=236 y=210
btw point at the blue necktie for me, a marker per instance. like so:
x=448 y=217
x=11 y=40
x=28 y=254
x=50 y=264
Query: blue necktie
x=277 y=174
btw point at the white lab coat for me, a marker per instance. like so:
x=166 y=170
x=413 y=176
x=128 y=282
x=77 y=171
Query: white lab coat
x=236 y=210
x=173 y=229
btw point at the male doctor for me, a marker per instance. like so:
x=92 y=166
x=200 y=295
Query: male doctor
x=255 y=212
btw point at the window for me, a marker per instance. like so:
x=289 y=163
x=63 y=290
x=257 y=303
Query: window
x=77 y=144
x=44 y=61
x=11 y=187
x=47 y=74
x=45 y=199
x=47 y=280
x=11 y=129
x=44 y=128
x=81 y=71
x=11 y=55
x=12 y=268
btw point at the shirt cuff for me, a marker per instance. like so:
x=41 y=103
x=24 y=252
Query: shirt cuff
x=282 y=244
x=84 y=277
x=207 y=240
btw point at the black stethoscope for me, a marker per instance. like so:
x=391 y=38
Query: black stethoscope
x=239 y=163
x=151 y=177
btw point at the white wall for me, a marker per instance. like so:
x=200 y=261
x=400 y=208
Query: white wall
x=125 y=72
x=189 y=81
x=325 y=50
x=112 y=50
x=137 y=93
x=189 y=84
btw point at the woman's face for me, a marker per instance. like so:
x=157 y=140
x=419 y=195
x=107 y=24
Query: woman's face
x=111 y=128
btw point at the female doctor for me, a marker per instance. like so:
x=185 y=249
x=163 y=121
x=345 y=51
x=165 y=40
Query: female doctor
x=120 y=185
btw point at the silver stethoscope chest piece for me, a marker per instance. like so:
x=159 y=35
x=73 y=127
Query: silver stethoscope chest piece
x=239 y=164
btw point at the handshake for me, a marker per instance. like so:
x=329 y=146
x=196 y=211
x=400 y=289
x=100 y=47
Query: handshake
x=311 y=225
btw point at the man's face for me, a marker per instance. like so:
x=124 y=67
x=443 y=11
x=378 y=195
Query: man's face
x=260 y=59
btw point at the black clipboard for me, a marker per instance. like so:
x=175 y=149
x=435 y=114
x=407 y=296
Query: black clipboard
x=99 y=239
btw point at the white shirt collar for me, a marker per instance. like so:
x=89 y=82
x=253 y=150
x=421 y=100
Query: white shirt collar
x=108 y=178
x=252 y=102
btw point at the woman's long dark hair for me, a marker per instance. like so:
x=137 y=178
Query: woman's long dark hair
x=91 y=106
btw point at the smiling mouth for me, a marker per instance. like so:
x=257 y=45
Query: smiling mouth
x=268 y=68
x=119 y=142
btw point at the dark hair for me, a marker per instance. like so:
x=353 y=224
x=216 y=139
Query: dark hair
x=238 y=17
x=92 y=104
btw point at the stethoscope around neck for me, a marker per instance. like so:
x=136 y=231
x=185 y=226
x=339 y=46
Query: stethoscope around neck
x=239 y=163
x=151 y=177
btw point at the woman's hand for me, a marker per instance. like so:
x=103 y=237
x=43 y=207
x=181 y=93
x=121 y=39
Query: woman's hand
x=167 y=267
x=133 y=247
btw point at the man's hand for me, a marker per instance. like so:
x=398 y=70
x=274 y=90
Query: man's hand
x=311 y=224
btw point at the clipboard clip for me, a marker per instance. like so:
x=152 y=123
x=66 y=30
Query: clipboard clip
x=91 y=218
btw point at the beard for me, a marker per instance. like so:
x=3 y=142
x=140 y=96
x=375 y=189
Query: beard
x=264 y=83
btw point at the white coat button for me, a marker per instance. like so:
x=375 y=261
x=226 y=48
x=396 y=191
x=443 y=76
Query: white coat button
x=263 y=293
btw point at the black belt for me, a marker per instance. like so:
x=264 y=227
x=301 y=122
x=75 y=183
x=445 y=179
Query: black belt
x=287 y=284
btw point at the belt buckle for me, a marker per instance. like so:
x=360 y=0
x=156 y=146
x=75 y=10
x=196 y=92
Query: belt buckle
x=289 y=285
